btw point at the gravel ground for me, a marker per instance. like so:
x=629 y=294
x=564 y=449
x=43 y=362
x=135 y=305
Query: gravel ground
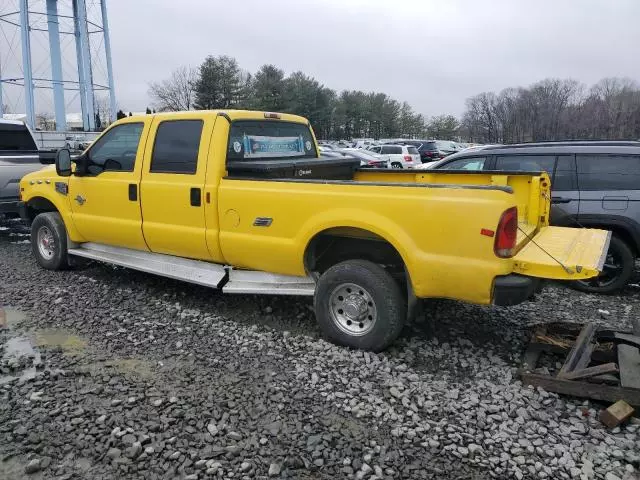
x=108 y=373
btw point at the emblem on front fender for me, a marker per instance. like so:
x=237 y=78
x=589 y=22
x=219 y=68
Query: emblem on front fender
x=62 y=188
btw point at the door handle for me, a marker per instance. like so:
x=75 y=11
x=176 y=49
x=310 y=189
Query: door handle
x=133 y=192
x=80 y=199
x=195 y=197
x=560 y=200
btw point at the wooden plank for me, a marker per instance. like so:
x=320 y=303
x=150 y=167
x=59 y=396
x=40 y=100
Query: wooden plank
x=606 y=378
x=576 y=388
x=578 y=350
x=592 y=371
x=629 y=362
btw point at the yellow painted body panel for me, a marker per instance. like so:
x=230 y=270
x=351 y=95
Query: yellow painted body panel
x=433 y=219
x=445 y=253
x=107 y=215
x=171 y=224
x=42 y=185
x=563 y=253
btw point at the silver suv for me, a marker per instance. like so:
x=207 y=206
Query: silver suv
x=594 y=184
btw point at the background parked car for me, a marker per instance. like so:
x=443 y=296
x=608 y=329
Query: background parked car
x=328 y=152
x=446 y=147
x=367 y=159
x=398 y=156
x=594 y=184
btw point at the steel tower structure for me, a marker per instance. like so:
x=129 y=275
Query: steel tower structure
x=72 y=21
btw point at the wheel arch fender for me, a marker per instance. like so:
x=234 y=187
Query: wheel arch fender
x=342 y=220
x=40 y=204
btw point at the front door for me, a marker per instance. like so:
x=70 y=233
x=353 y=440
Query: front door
x=173 y=179
x=104 y=200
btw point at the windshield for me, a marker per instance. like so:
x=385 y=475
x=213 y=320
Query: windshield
x=16 y=138
x=269 y=139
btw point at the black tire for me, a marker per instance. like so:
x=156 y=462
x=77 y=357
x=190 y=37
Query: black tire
x=366 y=283
x=612 y=279
x=396 y=165
x=44 y=225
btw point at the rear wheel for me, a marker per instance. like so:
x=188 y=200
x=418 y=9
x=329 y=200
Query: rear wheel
x=359 y=304
x=396 y=165
x=618 y=269
x=49 y=241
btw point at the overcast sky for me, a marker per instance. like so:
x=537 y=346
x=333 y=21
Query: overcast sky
x=432 y=53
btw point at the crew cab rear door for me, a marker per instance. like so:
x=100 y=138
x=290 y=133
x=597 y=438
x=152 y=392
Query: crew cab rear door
x=171 y=190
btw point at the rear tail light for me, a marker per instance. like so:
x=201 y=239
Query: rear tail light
x=506 y=234
x=407 y=158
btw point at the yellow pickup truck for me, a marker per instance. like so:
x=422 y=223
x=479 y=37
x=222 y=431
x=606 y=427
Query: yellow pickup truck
x=241 y=201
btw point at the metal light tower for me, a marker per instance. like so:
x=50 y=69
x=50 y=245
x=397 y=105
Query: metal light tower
x=68 y=18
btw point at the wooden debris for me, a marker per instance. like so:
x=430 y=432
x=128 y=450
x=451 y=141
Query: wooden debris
x=592 y=371
x=616 y=414
x=580 y=353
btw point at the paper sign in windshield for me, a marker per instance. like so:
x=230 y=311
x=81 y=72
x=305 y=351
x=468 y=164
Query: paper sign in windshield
x=259 y=146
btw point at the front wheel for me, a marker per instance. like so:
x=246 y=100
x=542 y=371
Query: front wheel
x=360 y=305
x=617 y=271
x=49 y=241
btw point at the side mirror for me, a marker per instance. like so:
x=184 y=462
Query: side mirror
x=63 y=162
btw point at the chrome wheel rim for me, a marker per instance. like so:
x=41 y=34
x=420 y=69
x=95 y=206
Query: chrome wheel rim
x=46 y=243
x=352 y=309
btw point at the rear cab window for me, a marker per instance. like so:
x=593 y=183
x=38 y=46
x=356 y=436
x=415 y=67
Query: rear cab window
x=16 y=138
x=269 y=140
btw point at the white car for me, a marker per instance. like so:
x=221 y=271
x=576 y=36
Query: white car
x=398 y=156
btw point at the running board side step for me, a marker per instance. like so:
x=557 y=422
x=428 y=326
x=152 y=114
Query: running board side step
x=207 y=274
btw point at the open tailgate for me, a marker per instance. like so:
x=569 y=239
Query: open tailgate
x=563 y=253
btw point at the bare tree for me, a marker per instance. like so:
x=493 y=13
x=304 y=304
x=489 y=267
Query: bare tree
x=175 y=93
x=44 y=121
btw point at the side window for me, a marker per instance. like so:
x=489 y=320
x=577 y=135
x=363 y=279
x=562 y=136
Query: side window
x=526 y=163
x=116 y=150
x=176 y=147
x=375 y=149
x=608 y=172
x=469 y=163
x=386 y=150
x=564 y=179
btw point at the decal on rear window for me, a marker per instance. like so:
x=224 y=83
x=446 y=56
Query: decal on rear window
x=265 y=147
x=271 y=140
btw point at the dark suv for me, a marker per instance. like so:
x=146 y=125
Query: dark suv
x=594 y=184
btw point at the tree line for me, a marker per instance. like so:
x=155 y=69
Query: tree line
x=219 y=82
x=555 y=109
x=552 y=109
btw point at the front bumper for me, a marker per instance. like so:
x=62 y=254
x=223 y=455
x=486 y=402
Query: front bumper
x=514 y=289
